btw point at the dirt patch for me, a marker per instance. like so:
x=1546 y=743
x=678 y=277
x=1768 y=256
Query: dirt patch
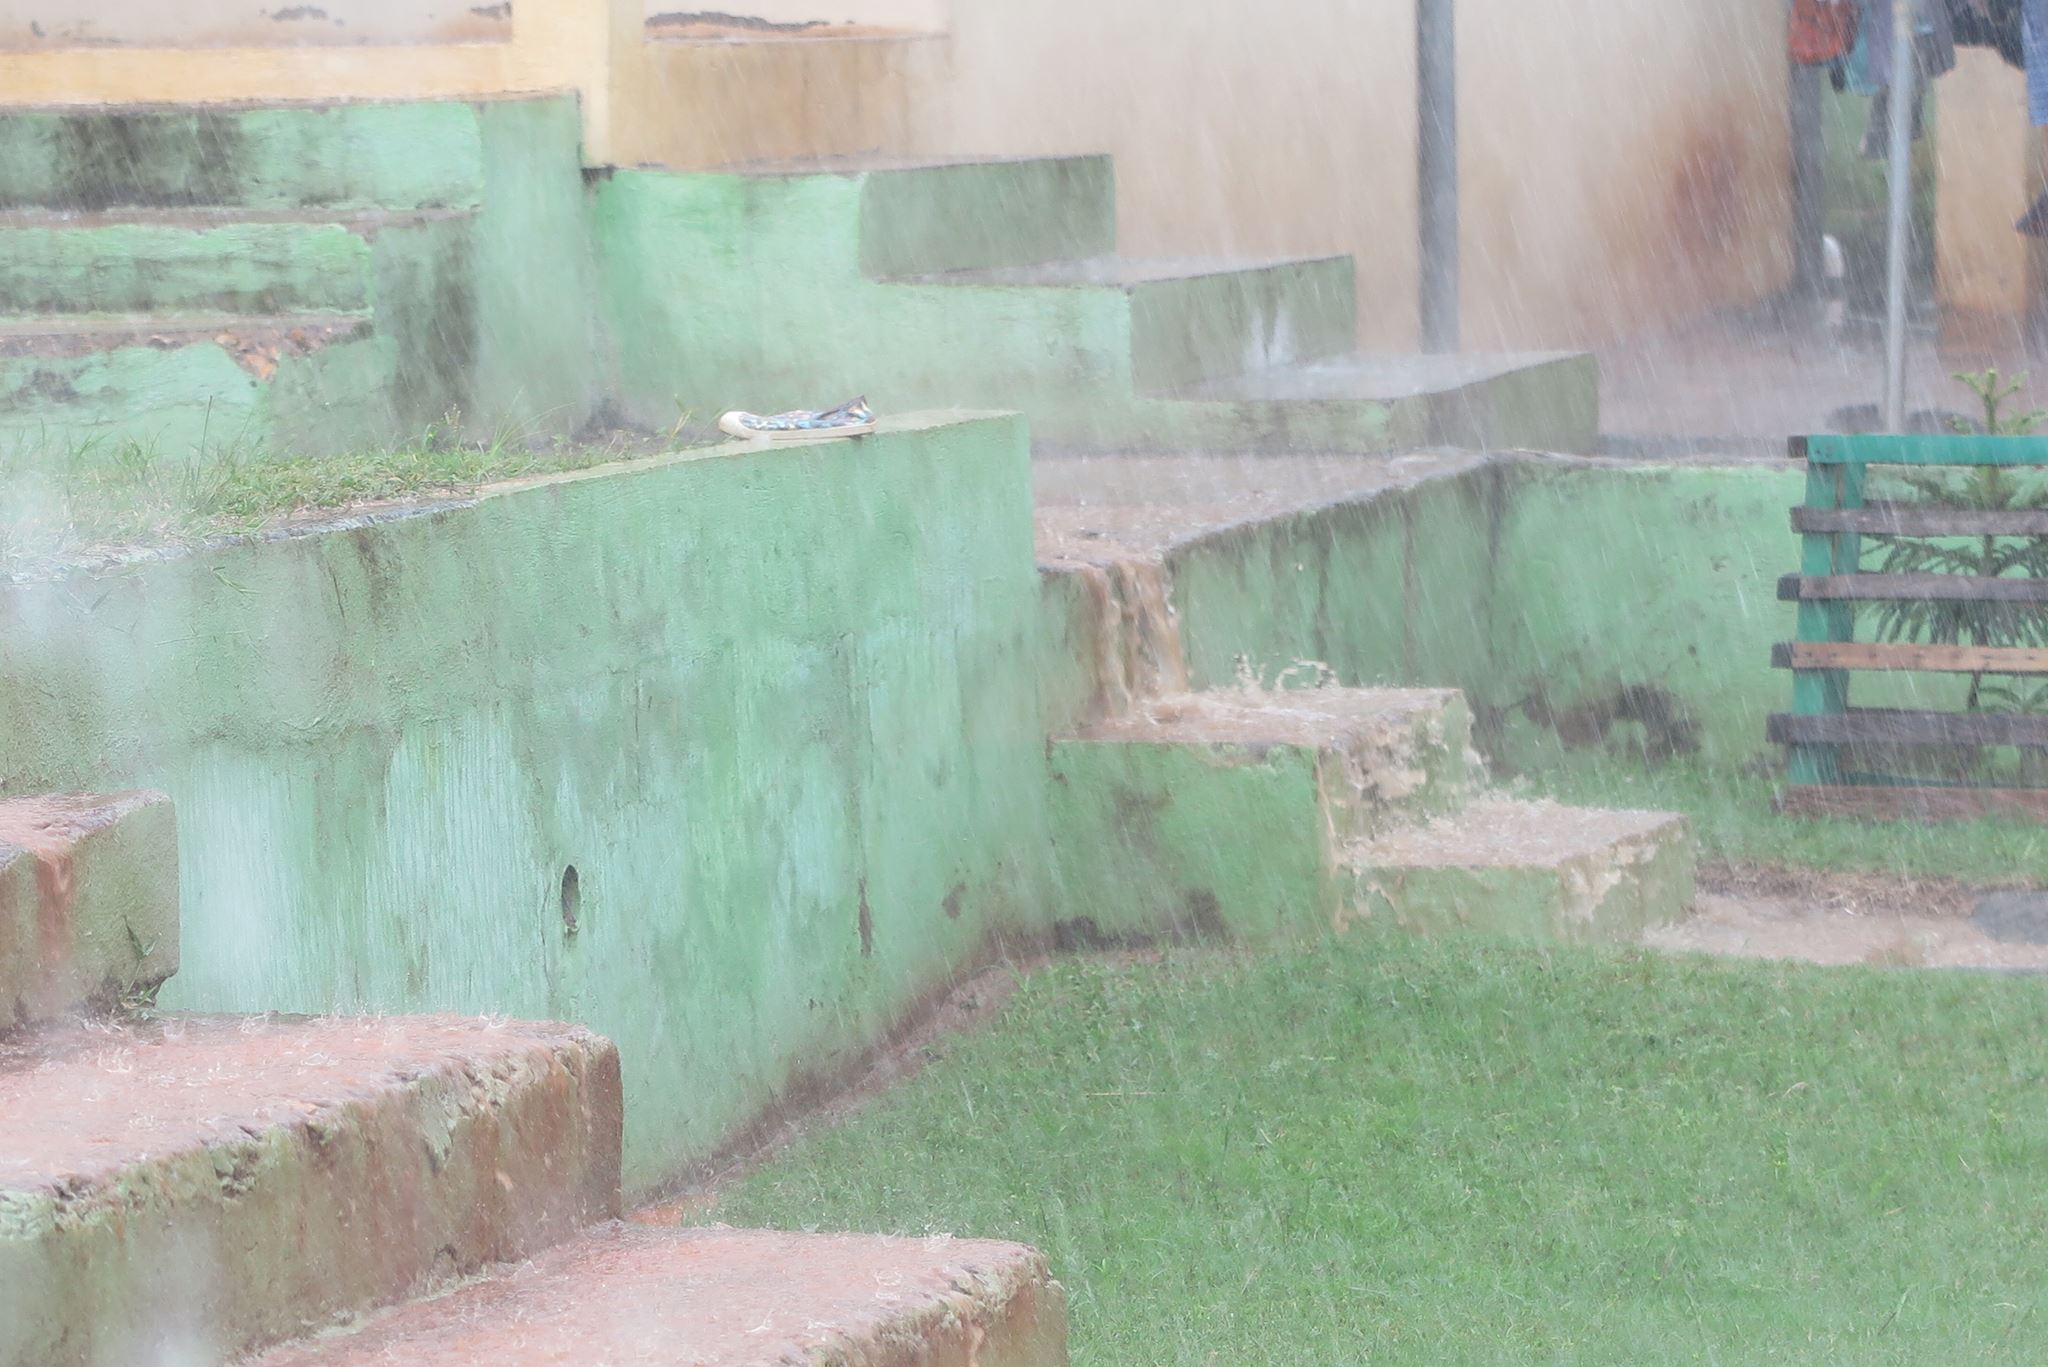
x=1842 y=918
x=1854 y=894
x=1769 y=928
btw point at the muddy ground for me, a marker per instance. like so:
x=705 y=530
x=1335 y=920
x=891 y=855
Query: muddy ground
x=1832 y=918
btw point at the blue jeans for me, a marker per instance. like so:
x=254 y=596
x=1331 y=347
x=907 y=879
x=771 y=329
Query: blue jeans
x=2034 y=27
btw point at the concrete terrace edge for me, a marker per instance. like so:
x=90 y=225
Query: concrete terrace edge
x=677 y=676
x=273 y=1219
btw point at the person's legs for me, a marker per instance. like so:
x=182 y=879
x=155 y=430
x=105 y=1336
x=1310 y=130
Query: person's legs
x=2034 y=36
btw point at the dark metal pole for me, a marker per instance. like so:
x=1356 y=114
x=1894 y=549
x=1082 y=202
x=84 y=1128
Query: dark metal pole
x=1436 y=161
x=1904 y=96
x=1809 y=183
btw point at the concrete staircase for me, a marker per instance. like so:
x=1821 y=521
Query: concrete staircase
x=942 y=284
x=192 y=1189
x=680 y=1297
x=1257 y=814
x=233 y=281
x=304 y=279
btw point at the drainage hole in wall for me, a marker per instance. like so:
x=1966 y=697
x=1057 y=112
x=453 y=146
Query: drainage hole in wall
x=572 y=899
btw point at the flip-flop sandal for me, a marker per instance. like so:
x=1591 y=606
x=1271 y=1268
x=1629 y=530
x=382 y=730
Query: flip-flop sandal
x=850 y=419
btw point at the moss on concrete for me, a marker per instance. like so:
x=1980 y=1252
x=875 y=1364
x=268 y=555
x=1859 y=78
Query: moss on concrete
x=1188 y=839
x=777 y=708
x=338 y=156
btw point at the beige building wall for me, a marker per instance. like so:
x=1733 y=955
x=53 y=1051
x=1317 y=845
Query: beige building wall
x=30 y=25
x=1625 y=165
x=1237 y=129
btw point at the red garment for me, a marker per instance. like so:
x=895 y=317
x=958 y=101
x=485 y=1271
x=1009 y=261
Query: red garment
x=1822 y=30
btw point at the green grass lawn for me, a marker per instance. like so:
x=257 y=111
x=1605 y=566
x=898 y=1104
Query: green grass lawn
x=1733 y=819
x=1416 y=1151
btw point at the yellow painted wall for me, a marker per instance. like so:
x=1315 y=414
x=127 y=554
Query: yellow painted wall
x=711 y=104
x=32 y=25
x=555 y=45
x=1987 y=164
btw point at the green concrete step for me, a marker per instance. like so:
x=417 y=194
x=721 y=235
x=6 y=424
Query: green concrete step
x=1484 y=401
x=190 y=1188
x=88 y=903
x=1224 y=812
x=166 y=264
x=630 y=1293
x=759 y=291
x=918 y=217
x=976 y=215
x=1526 y=871
x=1193 y=320
x=181 y=385
x=335 y=156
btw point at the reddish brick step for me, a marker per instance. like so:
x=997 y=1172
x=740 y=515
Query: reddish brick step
x=670 y=1297
x=193 y=1187
x=88 y=902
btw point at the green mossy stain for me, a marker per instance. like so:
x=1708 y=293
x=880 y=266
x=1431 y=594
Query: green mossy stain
x=115 y=158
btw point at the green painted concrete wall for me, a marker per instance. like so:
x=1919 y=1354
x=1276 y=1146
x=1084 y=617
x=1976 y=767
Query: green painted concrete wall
x=1188 y=840
x=1396 y=589
x=1551 y=592
x=155 y=268
x=484 y=311
x=1659 y=578
x=778 y=708
x=541 y=362
x=341 y=156
x=749 y=291
x=976 y=215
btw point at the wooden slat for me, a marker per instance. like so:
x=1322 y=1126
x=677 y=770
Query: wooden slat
x=1920 y=450
x=1914 y=804
x=1884 y=726
x=1913 y=519
x=1904 y=655
x=1926 y=587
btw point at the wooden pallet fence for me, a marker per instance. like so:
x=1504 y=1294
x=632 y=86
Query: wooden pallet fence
x=1824 y=735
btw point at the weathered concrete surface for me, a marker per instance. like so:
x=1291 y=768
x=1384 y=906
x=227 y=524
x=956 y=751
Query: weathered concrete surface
x=777 y=707
x=974 y=215
x=1635 y=608
x=1526 y=870
x=362 y=155
x=187 y=1188
x=1391 y=584
x=709 y=276
x=1579 y=604
x=1485 y=401
x=1223 y=813
x=88 y=902
x=1122 y=539
x=438 y=212
x=1383 y=756
x=61 y=264
x=676 y=1298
